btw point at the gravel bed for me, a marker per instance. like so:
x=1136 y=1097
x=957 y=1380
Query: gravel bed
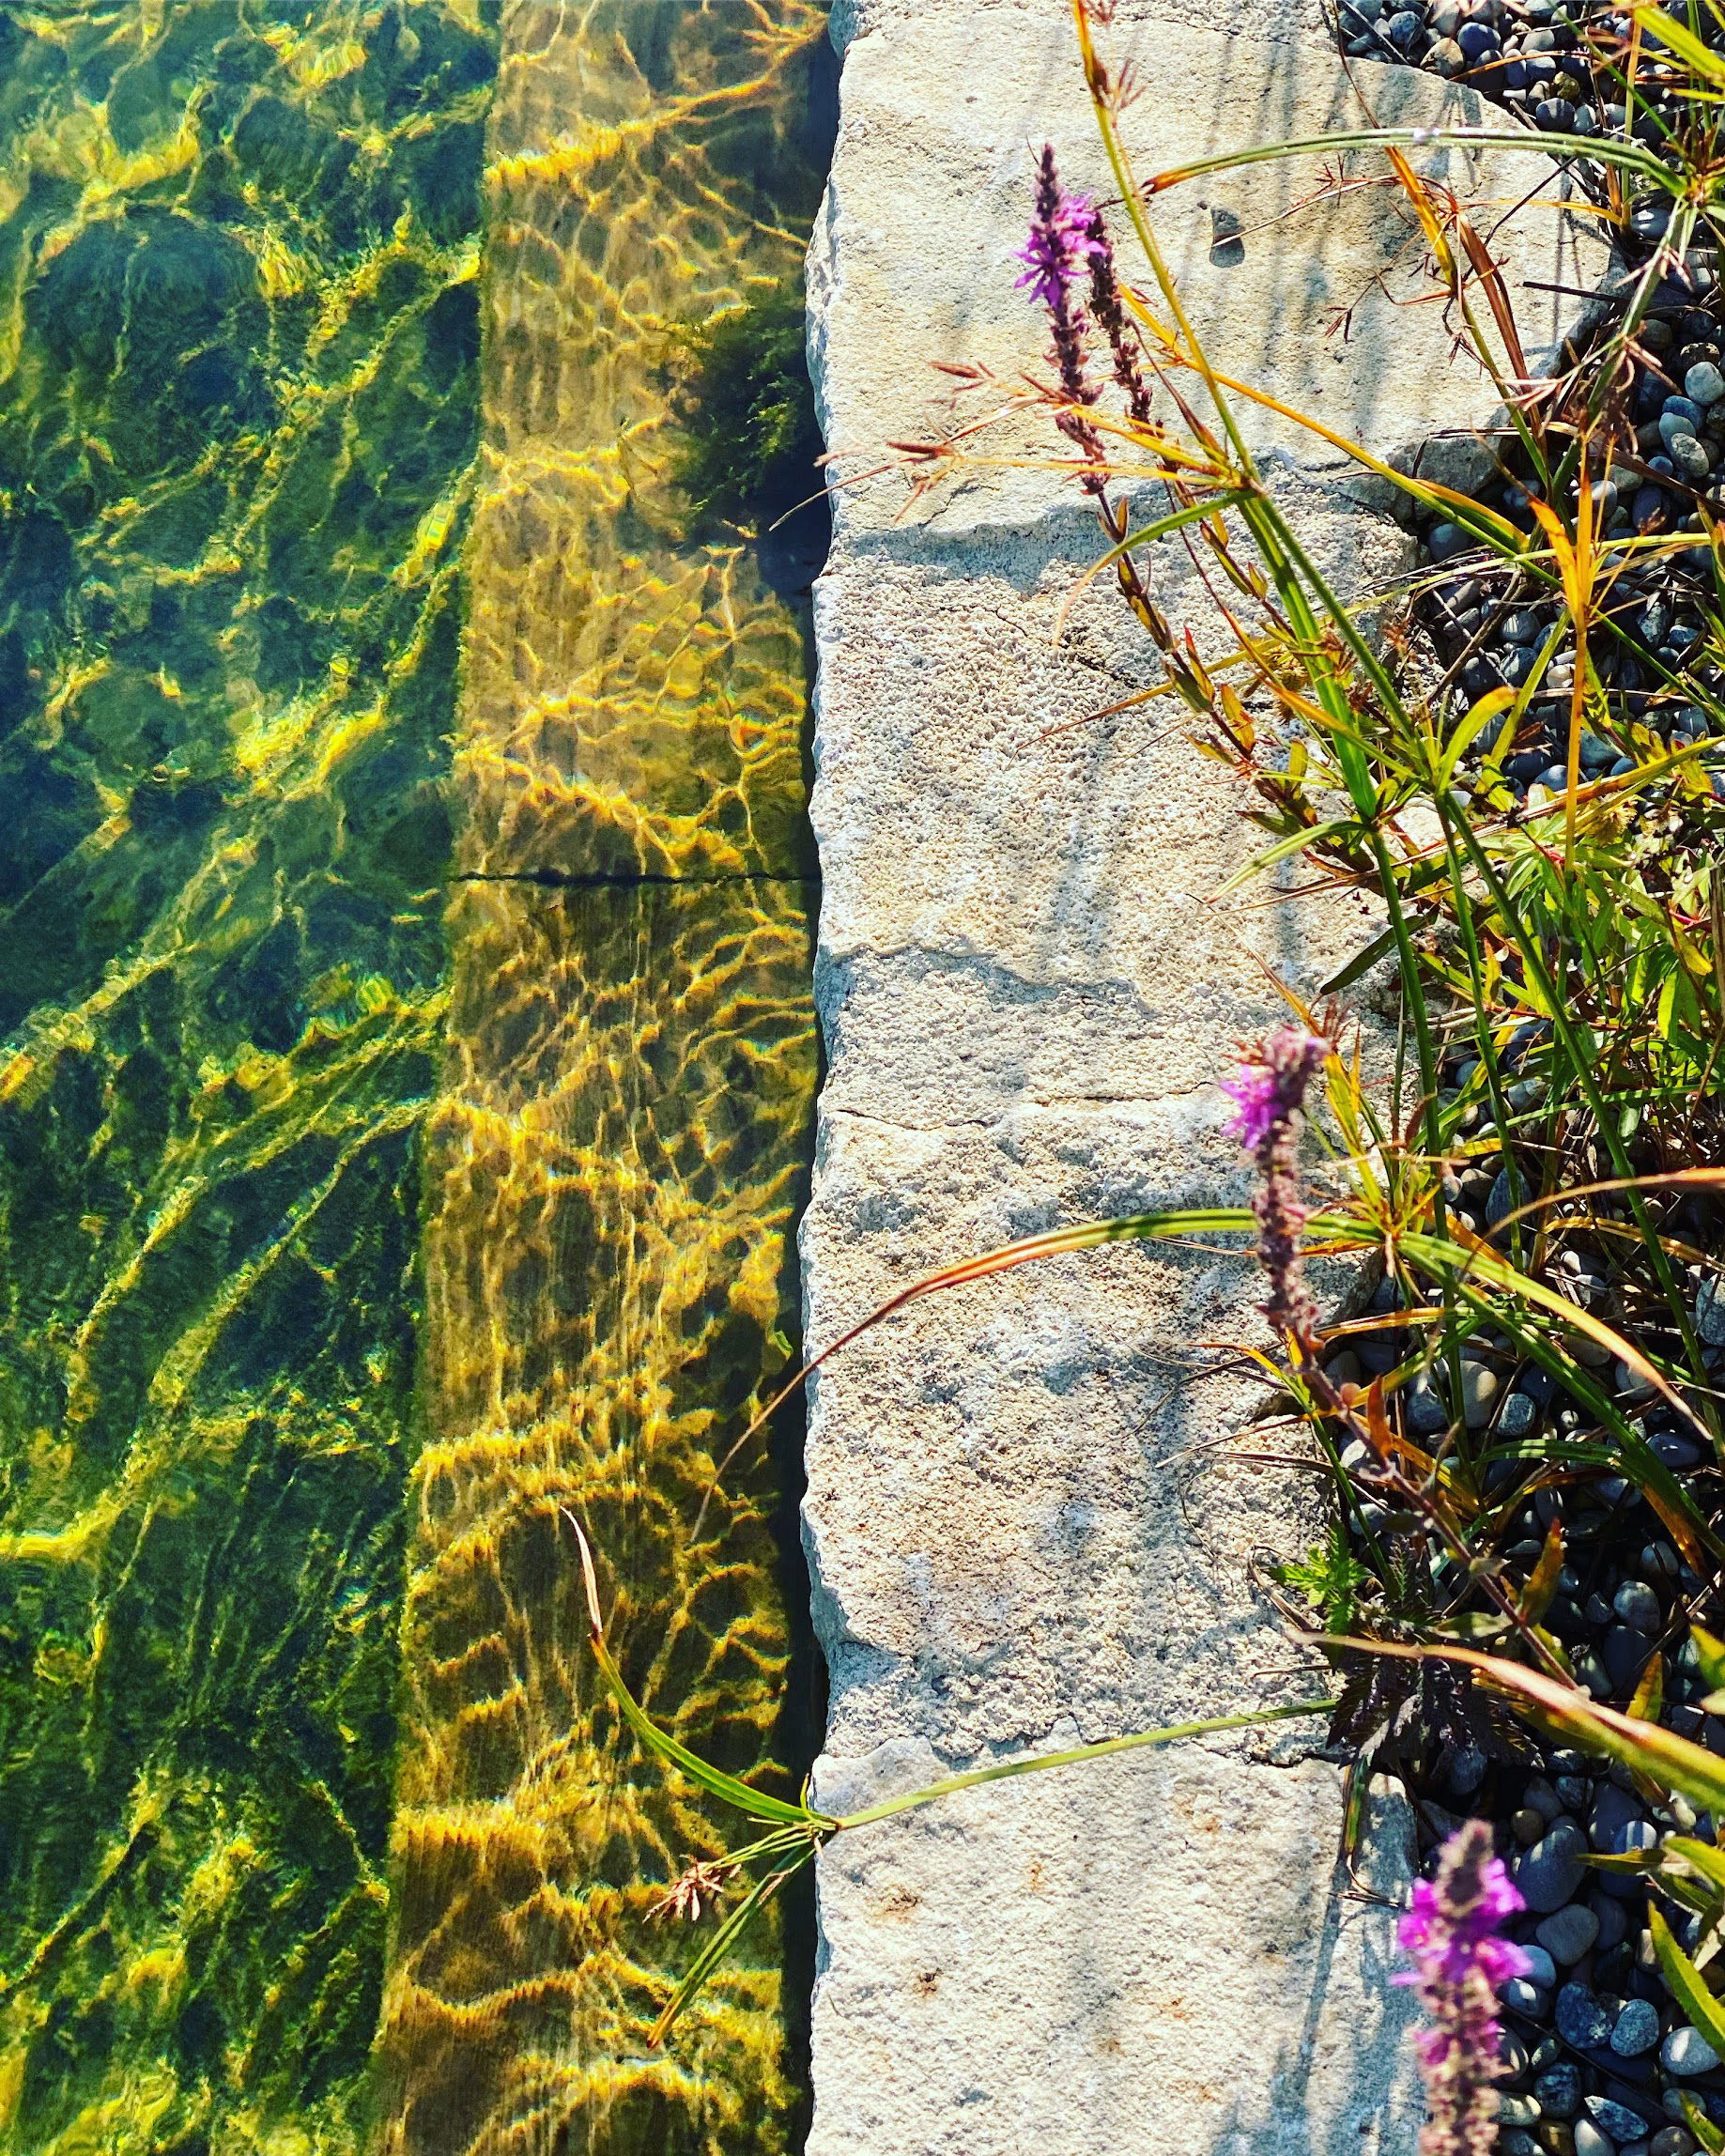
x=1599 y=2056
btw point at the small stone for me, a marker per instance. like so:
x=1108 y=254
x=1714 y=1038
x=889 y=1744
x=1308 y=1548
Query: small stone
x=1710 y=1311
x=1541 y=1968
x=1539 y=1797
x=1517 y=2110
x=1616 y=2119
x=1559 y=2090
x=1636 y=2029
x=1446 y=57
x=1549 y=1873
x=1637 y=1604
x=1479 y=1387
x=1525 y=1998
x=1589 y=2141
x=1580 y=2019
x=1703 y=384
x=1613 y=1920
x=1517 y=1417
x=1671 y=2141
x=1569 y=1934
x=1686 y=2052
x=1427 y=1416
x=1689 y=456
x=1625 y=1651
x=1527 y=1825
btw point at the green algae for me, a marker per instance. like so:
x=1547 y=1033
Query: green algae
x=255 y=1320
x=240 y=344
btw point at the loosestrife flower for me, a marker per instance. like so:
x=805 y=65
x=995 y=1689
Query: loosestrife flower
x=1268 y=1095
x=1451 y=1935
x=1056 y=258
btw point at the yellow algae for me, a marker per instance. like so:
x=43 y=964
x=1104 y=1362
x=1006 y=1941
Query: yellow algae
x=614 y=1160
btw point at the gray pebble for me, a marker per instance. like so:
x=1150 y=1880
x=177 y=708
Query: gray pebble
x=1710 y=1311
x=1479 y=1387
x=1514 y=2141
x=1541 y=1969
x=1617 y=2119
x=1427 y=1413
x=1517 y=2110
x=1614 y=1811
x=1613 y=1920
x=1625 y=1651
x=1580 y=2019
x=1568 y=1934
x=1685 y=2051
x=1549 y=1873
x=1703 y=384
x=1636 y=2029
x=1637 y=1604
x=1591 y=2142
x=1559 y=2090
x=1525 y=1998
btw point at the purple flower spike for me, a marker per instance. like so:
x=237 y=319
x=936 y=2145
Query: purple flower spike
x=1452 y=1936
x=1271 y=1086
x=1268 y=1094
x=1057 y=253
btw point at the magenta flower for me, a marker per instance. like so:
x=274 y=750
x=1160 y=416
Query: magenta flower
x=1272 y=1085
x=1062 y=241
x=1452 y=1936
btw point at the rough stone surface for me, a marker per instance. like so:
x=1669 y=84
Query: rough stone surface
x=1025 y=1523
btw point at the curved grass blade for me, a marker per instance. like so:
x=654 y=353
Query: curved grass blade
x=1688 y=1987
x=1645 y=1747
x=1325 y=1232
x=713 y=1779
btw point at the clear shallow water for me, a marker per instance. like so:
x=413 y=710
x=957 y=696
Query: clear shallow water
x=407 y=1067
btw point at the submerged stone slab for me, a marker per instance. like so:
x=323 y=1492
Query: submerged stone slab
x=1032 y=1514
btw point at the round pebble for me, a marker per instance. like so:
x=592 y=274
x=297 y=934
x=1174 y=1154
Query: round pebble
x=1589 y=2141
x=1636 y=2029
x=1559 y=2090
x=1687 y=2051
x=1479 y=1387
x=1703 y=384
x=1637 y=1604
x=1580 y=2019
x=1569 y=1934
x=1549 y=1873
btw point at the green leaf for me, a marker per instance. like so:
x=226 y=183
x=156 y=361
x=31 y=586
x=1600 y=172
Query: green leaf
x=1702 y=1855
x=1362 y=962
x=1688 y=1986
x=1711 y=2137
x=1478 y=716
x=1710 y=1656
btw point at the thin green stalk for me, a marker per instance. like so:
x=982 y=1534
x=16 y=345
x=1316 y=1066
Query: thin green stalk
x=1039 y=1762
